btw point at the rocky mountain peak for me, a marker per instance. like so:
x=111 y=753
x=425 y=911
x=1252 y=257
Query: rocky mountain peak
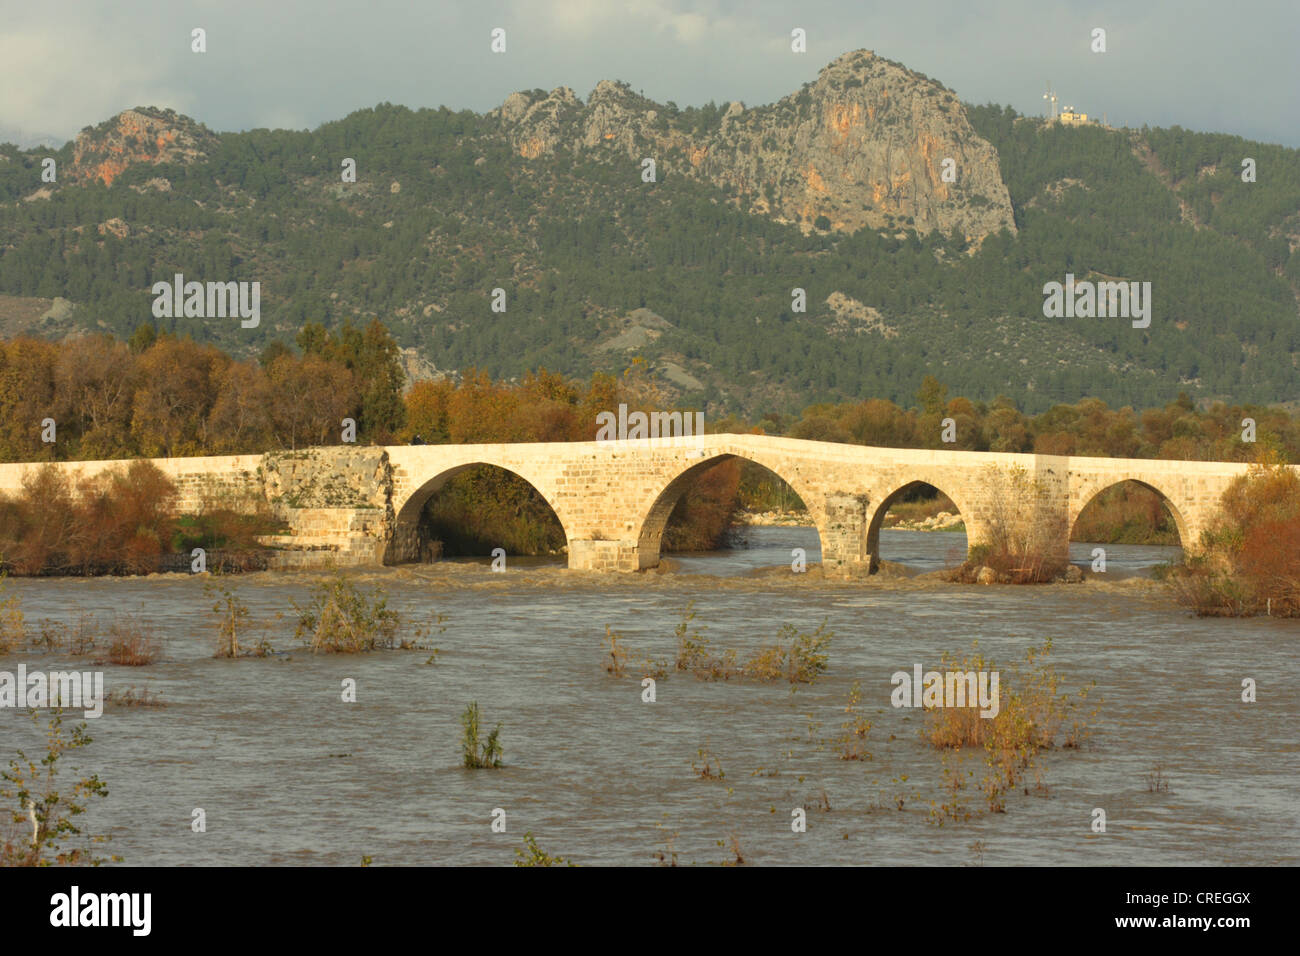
x=141 y=135
x=608 y=90
x=869 y=143
x=534 y=120
x=850 y=60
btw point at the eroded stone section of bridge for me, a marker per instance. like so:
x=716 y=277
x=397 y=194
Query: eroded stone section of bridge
x=362 y=504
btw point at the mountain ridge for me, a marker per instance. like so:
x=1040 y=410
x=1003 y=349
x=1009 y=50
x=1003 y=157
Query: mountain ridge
x=543 y=197
x=858 y=145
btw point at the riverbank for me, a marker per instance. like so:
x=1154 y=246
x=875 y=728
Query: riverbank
x=668 y=577
x=770 y=519
x=943 y=521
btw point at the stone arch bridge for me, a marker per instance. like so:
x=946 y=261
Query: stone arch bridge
x=361 y=504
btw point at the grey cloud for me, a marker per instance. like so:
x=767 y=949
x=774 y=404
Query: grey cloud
x=1207 y=67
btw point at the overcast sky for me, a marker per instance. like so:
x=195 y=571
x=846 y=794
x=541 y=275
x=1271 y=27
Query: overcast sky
x=1224 y=67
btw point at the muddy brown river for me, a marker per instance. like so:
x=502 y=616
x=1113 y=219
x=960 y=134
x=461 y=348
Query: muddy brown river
x=287 y=773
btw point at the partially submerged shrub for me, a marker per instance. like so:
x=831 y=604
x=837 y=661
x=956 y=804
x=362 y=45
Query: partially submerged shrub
x=532 y=855
x=13 y=629
x=693 y=653
x=477 y=753
x=737 y=857
x=616 y=660
x=853 y=740
x=668 y=855
x=797 y=657
x=819 y=801
x=76 y=639
x=129 y=641
x=708 y=767
x=655 y=669
x=133 y=698
x=1033 y=714
x=1034 y=686
x=1157 y=782
x=132 y=643
x=341 y=619
x=232 y=620
x=954 y=785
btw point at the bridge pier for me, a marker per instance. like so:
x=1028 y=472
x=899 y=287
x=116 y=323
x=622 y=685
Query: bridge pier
x=407 y=543
x=602 y=555
x=844 y=534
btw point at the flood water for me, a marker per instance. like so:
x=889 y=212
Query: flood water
x=289 y=774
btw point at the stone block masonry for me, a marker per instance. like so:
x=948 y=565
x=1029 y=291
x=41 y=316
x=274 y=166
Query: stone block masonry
x=198 y=481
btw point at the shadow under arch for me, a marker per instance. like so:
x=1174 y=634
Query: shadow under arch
x=651 y=535
x=882 y=509
x=1180 y=523
x=407 y=544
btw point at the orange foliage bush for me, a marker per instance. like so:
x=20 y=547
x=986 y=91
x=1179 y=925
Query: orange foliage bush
x=1270 y=557
x=1250 y=558
x=118 y=522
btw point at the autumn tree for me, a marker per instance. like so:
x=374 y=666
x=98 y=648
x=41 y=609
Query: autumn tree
x=426 y=411
x=375 y=361
x=94 y=379
x=174 y=395
x=242 y=417
x=312 y=396
x=27 y=397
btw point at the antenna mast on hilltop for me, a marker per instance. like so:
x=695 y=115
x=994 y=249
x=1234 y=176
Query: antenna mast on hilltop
x=1051 y=98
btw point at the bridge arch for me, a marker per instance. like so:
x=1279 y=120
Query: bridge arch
x=406 y=544
x=944 y=486
x=654 y=520
x=1096 y=489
